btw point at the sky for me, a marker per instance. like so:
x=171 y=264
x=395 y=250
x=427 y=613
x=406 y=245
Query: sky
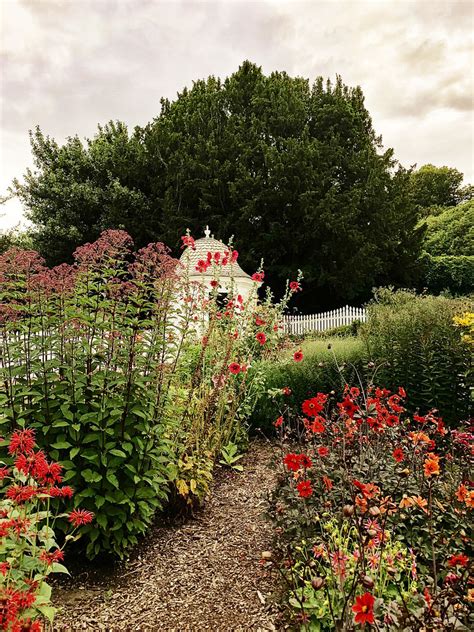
x=68 y=65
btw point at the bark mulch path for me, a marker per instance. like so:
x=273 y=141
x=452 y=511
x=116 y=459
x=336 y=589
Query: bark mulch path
x=205 y=575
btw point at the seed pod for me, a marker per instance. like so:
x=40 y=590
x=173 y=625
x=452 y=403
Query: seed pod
x=348 y=510
x=367 y=581
x=318 y=583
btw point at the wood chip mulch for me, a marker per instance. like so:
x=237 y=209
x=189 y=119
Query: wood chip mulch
x=207 y=574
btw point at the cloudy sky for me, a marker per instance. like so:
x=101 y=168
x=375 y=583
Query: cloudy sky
x=70 y=64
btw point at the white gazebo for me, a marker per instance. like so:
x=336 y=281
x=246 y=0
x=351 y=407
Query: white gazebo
x=231 y=276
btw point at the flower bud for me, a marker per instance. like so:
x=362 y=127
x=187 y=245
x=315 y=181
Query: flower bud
x=318 y=583
x=348 y=510
x=367 y=582
x=372 y=533
x=405 y=472
x=374 y=511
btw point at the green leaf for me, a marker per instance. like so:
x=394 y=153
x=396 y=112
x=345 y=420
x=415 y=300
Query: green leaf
x=47 y=611
x=74 y=452
x=110 y=476
x=61 y=445
x=91 y=477
x=117 y=452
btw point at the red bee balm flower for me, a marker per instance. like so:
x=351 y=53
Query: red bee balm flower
x=22 y=441
x=304 y=489
x=364 y=609
x=234 y=368
x=80 y=516
x=298 y=356
x=262 y=339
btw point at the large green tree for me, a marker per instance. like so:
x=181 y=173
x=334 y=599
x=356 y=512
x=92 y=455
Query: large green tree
x=295 y=171
x=434 y=188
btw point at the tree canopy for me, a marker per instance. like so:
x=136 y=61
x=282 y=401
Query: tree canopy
x=451 y=232
x=294 y=170
x=434 y=188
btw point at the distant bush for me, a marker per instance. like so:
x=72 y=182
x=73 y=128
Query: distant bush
x=450 y=232
x=448 y=272
x=416 y=343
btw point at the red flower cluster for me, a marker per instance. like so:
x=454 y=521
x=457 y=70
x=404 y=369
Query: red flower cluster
x=188 y=241
x=294 y=462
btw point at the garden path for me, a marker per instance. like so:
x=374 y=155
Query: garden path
x=205 y=575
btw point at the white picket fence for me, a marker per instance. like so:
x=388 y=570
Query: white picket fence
x=303 y=323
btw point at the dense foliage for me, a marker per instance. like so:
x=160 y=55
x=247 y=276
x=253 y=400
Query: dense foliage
x=415 y=342
x=451 y=232
x=294 y=170
x=133 y=375
x=448 y=273
x=30 y=492
x=435 y=188
x=372 y=514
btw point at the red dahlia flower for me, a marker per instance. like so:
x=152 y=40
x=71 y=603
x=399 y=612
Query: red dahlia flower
x=312 y=407
x=304 y=489
x=364 y=609
x=323 y=451
x=292 y=462
x=398 y=455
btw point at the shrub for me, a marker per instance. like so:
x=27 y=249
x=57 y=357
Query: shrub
x=414 y=340
x=372 y=513
x=453 y=273
x=31 y=490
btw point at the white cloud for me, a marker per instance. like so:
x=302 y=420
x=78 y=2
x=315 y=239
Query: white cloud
x=70 y=65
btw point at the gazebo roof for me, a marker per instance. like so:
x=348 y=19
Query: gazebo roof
x=202 y=246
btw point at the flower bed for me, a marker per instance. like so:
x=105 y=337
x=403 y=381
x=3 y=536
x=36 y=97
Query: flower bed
x=31 y=493
x=372 y=515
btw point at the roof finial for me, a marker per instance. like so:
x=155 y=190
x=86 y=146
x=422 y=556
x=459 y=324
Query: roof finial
x=207 y=232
